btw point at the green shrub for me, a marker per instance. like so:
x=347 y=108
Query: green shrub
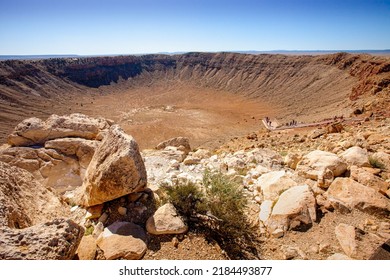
x=185 y=196
x=374 y=162
x=218 y=209
x=89 y=230
x=225 y=200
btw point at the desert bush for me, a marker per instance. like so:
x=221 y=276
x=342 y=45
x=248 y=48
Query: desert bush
x=217 y=208
x=89 y=230
x=374 y=162
x=185 y=196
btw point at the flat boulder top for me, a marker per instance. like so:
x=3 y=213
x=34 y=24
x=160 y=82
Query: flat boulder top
x=34 y=131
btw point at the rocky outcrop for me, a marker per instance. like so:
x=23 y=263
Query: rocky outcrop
x=123 y=240
x=55 y=240
x=24 y=201
x=166 y=220
x=51 y=168
x=81 y=148
x=56 y=155
x=116 y=169
x=34 y=131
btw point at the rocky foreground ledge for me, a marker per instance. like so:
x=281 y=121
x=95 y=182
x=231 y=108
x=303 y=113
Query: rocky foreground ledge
x=76 y=187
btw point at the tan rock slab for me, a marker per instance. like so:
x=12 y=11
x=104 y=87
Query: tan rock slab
x=273 y=183
x=295 y=207
x=315 y=163
x=166 y=221
x=356 y=156
x=123 y=240
x=346 y=193
x=346 y=236
x=87 y=248
x=34 y=131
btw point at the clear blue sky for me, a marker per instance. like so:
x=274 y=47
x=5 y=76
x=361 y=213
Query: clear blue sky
x=89 y=27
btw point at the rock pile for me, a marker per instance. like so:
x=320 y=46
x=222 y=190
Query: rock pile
x=115 y=189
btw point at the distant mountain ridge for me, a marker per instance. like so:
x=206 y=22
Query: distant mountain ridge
x=385 y=52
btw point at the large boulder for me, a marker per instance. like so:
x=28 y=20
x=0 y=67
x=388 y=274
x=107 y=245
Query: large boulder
x=295 y=208
x=55 y=240
x=273 y=183
x=34 y=131
x=345 y=193
x=321 y=166
x=116 y=169
x=356 y=156
x=24 y=201
x=166 y=221
x=123 y=240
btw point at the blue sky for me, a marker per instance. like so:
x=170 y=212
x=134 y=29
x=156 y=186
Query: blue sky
x=89 y=27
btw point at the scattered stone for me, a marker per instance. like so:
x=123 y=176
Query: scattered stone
x=87 y=248
x=103 y=218
x=98 y=229
x=316 y=163
x=166 y=221
x=274 y=183
x=356 y=156
x=335 y=128
x=116 y=169
x=289 y=253
x=190 y=160
x=133 y=197
x=346 y=236
x=122 y=211
x=94 y=212
x=317 y=133
x=291 y=160
x=55 y=240
x=368 y=179
x=176 y=142
x=123 y=240
x=175 y=242
x=338 y=256
x=345 y=193
x=296 y=207
x=265 y=210
x=277 y=233
x=383 y=159
x=202 y=154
